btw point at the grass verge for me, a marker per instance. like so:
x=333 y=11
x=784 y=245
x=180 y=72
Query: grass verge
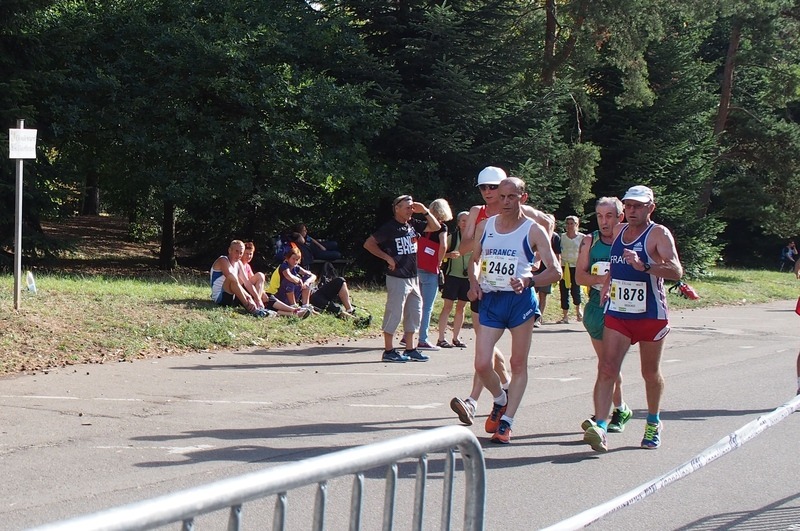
x=77 y=319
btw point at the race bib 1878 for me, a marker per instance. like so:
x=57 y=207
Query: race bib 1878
x=627 y=296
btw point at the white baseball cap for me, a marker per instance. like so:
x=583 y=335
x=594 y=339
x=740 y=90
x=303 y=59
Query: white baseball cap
x=491 y=175
x=640 y=193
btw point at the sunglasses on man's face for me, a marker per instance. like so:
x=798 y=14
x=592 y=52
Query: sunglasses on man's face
x=485 y=187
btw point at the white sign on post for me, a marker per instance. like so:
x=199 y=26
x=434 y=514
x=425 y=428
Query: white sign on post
x=22 y=143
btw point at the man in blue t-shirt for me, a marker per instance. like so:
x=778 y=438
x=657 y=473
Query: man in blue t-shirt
x=395 y=242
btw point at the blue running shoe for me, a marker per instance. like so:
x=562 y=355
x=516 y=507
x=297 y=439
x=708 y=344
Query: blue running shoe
x=394 y=356
x=652 y=435
x=415 y=355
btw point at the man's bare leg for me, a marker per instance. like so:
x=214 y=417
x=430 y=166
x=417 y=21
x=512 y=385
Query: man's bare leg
x=465 y=409
x=520 y=349
x=650 y=352
x=615 y=346
x=617 y=396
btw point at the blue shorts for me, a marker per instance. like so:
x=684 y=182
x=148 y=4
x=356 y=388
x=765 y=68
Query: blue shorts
x=506 y=309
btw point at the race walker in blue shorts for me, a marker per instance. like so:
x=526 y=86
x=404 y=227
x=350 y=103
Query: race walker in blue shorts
x=501 y=277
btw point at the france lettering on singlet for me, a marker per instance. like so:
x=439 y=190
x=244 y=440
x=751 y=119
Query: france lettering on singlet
x=504 y=256
x=634 y=294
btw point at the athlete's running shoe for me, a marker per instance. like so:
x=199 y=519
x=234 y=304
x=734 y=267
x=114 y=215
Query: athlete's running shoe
x=588 y=422
x=595 y=436
x=652 y=435
x=618 y=419
x=493 y=420
x=503 y=433
x=464 y=409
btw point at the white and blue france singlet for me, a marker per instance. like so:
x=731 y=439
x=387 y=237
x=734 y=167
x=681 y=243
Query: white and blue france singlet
x=217 y=279
x=504 y=256
x=634 y=294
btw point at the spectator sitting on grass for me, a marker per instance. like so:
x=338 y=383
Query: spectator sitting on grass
x=291 y=281
x=229 y=287
x=258 y=280
x=326 y=250
x=333 y=296
x=298 y=241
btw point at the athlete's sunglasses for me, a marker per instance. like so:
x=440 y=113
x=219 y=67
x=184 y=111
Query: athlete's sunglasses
x=485 y=187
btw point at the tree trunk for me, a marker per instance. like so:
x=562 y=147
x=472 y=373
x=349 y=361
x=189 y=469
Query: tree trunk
x=548 y=73
x=91 y=195
x=726 y=88
x=166 y=256
x=554 y=60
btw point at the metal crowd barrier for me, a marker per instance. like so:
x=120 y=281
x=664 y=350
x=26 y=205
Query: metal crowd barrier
x=184 y=506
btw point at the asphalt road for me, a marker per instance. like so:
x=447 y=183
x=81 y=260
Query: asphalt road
x=86 y=438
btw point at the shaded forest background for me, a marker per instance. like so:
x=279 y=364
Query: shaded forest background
x=204 y=120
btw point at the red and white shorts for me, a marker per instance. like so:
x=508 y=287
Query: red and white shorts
x=639 y=329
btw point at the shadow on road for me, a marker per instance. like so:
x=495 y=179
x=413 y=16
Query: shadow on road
x=772 y=516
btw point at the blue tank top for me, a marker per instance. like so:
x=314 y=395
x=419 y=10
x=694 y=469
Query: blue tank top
x=634 y=294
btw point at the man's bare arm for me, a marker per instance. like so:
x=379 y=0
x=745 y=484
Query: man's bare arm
x=468 y=236
x=541 y=241
x=546 y=221
x=670 y=266
x=372 y=246
x=582 y=275
x=475 y=292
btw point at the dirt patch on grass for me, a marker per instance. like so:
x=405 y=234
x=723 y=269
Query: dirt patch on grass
x=98 y=237
x=102 y=245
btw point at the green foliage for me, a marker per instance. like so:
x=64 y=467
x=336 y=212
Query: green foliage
x=668 y=145
x=582 y=160
x=251 y=116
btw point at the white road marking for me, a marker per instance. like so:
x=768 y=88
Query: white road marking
x=170 y=449
x=402 y=406
x=425 y=374
x=42 y=397
x=105 y=399
x=747 y=346
x=249 y=402
x=308 y=371
x=569 y=379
